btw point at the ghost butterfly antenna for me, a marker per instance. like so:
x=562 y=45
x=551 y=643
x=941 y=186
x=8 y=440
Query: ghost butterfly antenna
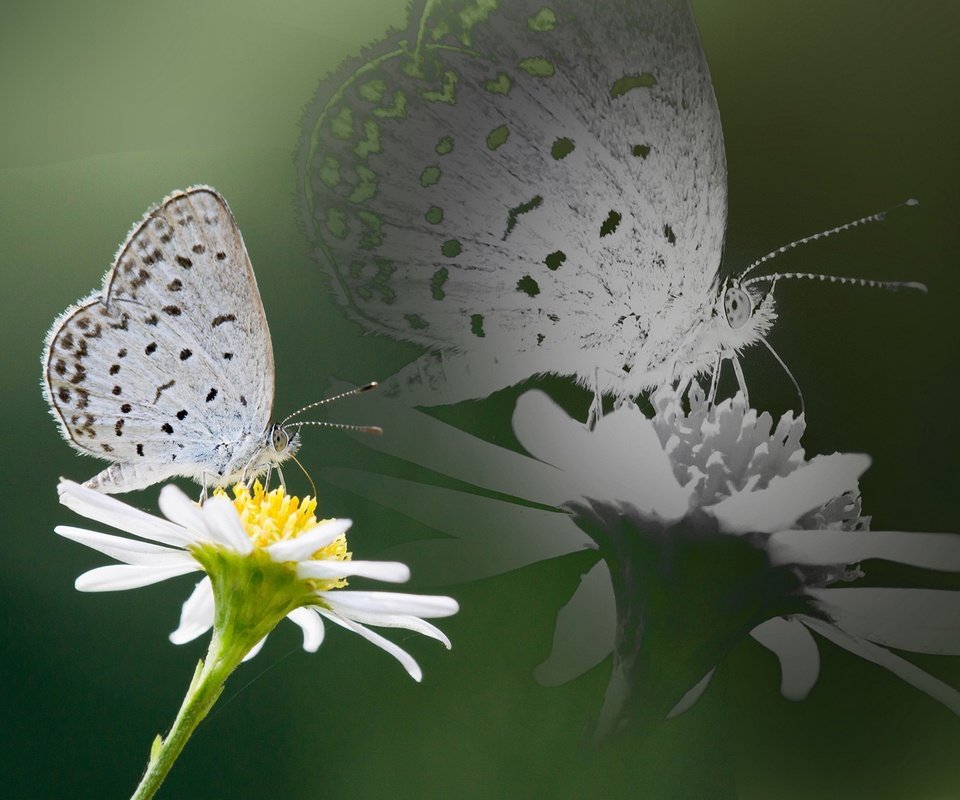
x=738 y=304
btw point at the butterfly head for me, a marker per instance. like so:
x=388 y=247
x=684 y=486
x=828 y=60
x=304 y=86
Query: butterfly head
x=741 y=315
x=280 y=444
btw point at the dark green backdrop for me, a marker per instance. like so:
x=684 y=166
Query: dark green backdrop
x=830 y=110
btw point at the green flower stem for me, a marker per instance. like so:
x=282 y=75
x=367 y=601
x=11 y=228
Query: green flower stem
x=205 y=688
x=251 y=595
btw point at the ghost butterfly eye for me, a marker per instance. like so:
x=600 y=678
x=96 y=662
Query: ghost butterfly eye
x=737 y=306
x=279 y=439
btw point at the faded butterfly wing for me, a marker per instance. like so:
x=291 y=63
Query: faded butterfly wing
x=527 y=188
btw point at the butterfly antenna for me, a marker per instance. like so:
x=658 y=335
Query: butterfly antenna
x=304 y=471
x=892 y=286
x=358 y=390
x=376 y=430
x=878 y=217
x=786 y=369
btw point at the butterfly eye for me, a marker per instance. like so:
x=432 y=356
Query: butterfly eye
x=737 y=306
x=280 y=439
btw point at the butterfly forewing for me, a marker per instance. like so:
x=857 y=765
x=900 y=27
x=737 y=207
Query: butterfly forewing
x=173 y=357
x=545 y=181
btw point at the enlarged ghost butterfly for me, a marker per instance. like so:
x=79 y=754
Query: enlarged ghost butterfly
x=529 y=187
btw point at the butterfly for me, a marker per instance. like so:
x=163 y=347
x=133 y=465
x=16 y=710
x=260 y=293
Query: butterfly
x=531 y=188
x=168 y=369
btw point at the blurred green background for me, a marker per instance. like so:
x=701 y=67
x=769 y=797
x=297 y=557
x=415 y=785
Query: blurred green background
x=830 y=111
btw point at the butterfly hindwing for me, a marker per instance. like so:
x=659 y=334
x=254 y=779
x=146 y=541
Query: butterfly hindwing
x=544 y=181
x=173 y=356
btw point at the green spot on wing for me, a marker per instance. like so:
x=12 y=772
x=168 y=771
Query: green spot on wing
x=396 y=110
x=373 y=91
x=447 y=93
x=537 y=66
x=371 y=236
x=379 y=282
x=451 y=248
x=497 y=137
x=444 y=146
x=629 y=82
x=514 y=213
x=337 y=222
x=640 y=150
x=561 y=148
x=499 y=85
x=460 y=20
x=416 y=322
x=341 y=126
x=436 y=283
x=611 y=223
x=329 y=172
x=476 y=325
x=429 y=176
x=371 y=141
x=528 y=285
x=367 y=187
x=543 y=20
x=555 y=259
x=434 y=215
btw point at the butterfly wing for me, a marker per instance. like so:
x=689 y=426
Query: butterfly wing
x=170 y=365
x=544 y=183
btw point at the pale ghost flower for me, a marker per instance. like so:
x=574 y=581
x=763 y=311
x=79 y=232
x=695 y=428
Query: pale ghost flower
x=711 y=525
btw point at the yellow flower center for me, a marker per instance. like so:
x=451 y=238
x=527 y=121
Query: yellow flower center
x=275 y=516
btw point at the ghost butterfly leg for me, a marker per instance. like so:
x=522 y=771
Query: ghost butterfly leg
x=715 y=379
x=596 y=405
x=738 y=371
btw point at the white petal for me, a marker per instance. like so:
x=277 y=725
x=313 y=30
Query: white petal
x=788 y=498
x=689 y=700
x=411 y=666
x=940 y=551
x=903 y=669
x=130 y=551
x=255 y=649
x=311 y=625
x=223 y=521
x=307 y=543
x=797 y=651
x=94 y=505
x=417 y=605
x=390 y=571
x=179 y=508
x=196 y=616
x=585 y=630
x=919 y=620
x=405 y=621
x=118 y=577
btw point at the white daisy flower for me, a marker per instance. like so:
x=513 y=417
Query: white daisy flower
x=265 y=556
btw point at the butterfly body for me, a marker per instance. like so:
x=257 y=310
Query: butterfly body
x=168 y=369
x=525 y=189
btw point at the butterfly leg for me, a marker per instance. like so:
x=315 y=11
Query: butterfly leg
x=715 y=380
x=596 y=406
x=283 y=483
x=738 y=371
